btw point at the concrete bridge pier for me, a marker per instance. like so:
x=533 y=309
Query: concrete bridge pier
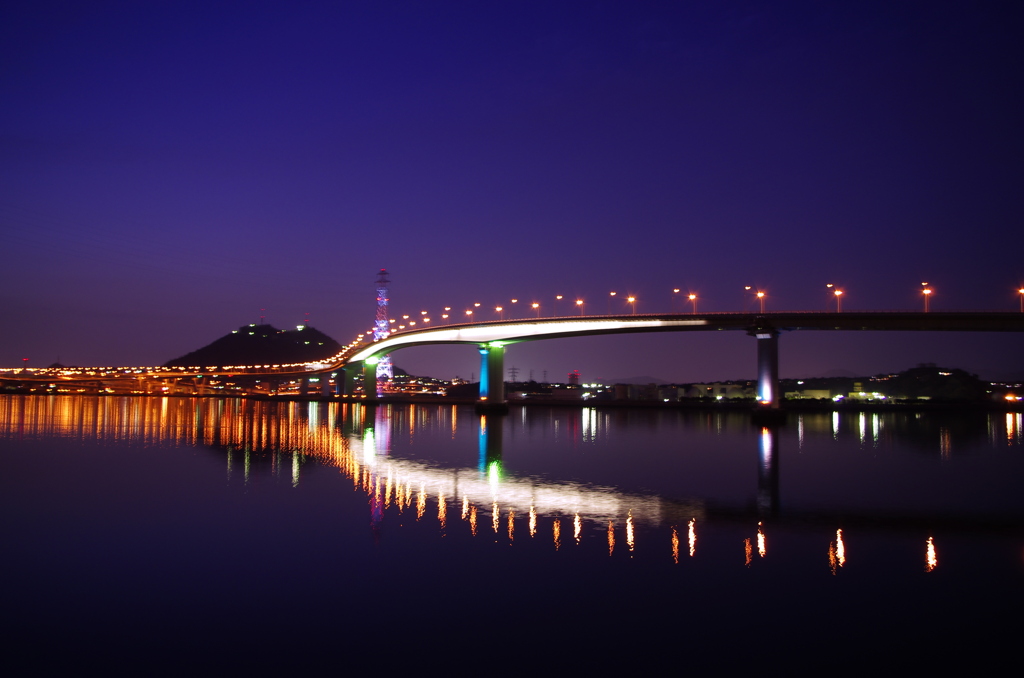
x=492 y=382
x=347 y=379
x=370 y=379
x=767 y=367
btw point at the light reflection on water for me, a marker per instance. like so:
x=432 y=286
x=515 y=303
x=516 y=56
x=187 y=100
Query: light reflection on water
x=361 y=442
x=878 y=485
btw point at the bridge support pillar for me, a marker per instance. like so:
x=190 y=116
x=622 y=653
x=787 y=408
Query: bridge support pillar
x=370 y=380
x=347 y=379
x=768 y=368
x=492 y=370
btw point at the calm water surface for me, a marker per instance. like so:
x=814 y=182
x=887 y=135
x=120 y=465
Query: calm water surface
x=163 y=535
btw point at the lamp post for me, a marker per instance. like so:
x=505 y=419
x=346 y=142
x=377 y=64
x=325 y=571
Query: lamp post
x=760 y=297
x=579 y=303
x=672 y=307
x=558 y=298
x=632 y=302
x=500 y=310
x=1021 y=293
x=611 y=295
x=693 y=300
x=536 y=308
x=839 y=300
x=927 y=292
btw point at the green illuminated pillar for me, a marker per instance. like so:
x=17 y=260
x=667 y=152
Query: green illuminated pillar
x=492 y=369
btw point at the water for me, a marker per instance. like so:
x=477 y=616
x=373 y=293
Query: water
x=171 y=534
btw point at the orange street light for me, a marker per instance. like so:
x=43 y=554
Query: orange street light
x=499 y=309
x=927 y=292
x=611 y=295
x=839 y=301
x=1021 y=293
x=760 y=297
x=693 y=300
x=558 y=298
x=579 y=303
x=536 y=308
x=632 y=301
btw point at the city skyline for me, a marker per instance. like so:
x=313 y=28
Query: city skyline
x=173 y=171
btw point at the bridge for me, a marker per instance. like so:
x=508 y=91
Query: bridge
x=491 y=338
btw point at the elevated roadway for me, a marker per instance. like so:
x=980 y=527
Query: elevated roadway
x=492 y=337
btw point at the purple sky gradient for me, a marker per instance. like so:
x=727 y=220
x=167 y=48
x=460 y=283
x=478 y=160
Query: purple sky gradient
x=167 y=169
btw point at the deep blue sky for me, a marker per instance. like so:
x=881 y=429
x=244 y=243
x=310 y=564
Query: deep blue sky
x=167 y=169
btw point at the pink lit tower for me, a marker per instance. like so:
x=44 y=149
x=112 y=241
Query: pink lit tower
x=381 y=330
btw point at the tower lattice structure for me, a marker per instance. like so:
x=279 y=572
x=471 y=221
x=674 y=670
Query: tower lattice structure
x=381 y=330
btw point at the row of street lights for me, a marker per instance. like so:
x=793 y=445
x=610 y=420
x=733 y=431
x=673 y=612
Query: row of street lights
x=760 y=295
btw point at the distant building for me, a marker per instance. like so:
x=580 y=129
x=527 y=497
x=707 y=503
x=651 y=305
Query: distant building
x=719 y=390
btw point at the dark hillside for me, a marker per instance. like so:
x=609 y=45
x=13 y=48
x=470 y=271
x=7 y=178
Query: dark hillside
x=262 y=345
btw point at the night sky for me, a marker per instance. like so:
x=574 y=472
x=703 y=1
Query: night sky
x=169 y=169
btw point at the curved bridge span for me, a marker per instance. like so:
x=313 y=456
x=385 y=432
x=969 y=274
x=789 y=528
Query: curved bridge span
x=492 y=337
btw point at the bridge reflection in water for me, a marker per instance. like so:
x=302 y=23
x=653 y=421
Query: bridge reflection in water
x=281 y=438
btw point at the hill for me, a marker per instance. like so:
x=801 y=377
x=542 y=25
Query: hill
x=262 y=345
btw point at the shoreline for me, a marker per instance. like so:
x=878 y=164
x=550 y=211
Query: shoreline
x=794 y=406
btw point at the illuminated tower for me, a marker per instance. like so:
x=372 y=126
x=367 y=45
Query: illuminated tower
x=381 y=330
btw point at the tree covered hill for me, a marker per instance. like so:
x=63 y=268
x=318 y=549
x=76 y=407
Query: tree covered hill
x=262 y=345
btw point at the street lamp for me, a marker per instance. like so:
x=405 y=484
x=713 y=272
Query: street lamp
x=469 y=315
x=579 y=302
x=693 y=300
x=1021 y=293
x=839 y=301
x=611 y=295
x=675 y=291
x=558 y=298
x=501 y=310
x=632 y=301
x=927 y=292
x=536 y=308
x=760 y=297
